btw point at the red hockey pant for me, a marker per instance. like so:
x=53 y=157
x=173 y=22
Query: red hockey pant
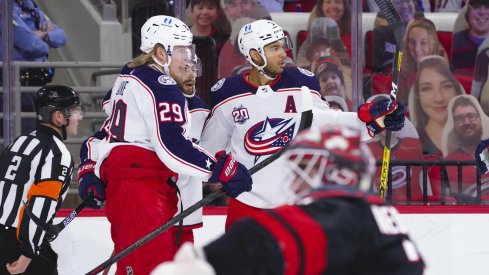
x=139 y=200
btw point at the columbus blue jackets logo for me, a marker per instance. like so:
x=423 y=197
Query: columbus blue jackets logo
x=268 y=136
x=166 y=80
x=306 y=72
x=218 y=85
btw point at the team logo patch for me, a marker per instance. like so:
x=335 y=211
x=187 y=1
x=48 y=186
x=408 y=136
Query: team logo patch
x=268 y=136
x=306 y=72
x=240 y=114
x=399 y=175
x=166 y=80
x=218 y=85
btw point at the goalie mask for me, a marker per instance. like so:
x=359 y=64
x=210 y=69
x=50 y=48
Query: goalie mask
x=175 y=37
x=332 y=155
x=258 y=34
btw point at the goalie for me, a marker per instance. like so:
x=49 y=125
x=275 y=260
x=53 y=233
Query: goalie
x=334 y=227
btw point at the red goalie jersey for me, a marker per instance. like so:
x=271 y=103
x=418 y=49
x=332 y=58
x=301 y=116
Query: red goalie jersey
x=316 y=237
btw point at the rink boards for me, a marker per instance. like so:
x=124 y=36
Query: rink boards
x=453 y=240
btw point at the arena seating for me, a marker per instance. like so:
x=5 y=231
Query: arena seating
x=298 y=33
x=376 y=83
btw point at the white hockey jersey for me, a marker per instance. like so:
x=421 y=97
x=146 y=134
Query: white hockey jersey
x=191 y=187
x=133 y=129
x=254 y=122
x=147 y=109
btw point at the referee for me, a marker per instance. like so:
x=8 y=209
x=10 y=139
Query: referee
x=36 y=168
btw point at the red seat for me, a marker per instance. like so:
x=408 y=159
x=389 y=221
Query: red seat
x=365 y=6
x=289 y=52
x=381 y=83
x=465 y=81
x=369 y=49
x=432 y=4
x=446 y=41
x=299 y=6
x=301 y=37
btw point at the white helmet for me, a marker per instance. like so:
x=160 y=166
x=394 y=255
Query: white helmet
x=165 y=30
x=257 y=35
x=172 y=33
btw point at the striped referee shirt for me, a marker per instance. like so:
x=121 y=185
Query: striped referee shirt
x=35 y=169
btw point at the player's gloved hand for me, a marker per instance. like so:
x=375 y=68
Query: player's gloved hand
x=395 y=120
x=187 y=261
x=87 y=180
x=375 y=113
x=376 y=110
x=482 y=156
x=233 y=175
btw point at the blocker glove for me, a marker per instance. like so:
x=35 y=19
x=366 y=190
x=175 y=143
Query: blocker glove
x=482 y=156
x=87 y=180
x=233 y=175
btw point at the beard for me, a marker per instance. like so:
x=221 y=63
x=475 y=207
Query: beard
x=271 y=72
x=469 y=139
x=186 y=86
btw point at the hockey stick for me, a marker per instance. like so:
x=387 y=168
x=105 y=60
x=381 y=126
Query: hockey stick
x=306 y=121
x=395 y=21
x=55 y=229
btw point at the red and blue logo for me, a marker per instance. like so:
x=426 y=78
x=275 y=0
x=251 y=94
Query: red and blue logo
x=268 y=136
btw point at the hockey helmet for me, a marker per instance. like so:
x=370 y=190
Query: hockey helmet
x=52 y=98
x=257 y=35
x=175 y=36
x=326 y=156
x=165 y=30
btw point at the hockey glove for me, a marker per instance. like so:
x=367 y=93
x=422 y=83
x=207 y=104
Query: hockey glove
x=87 y=180
x=376 y=110
x=395 y=120
x=391 y=119
x=233 y=175
x=482 y=156
x=188 y=260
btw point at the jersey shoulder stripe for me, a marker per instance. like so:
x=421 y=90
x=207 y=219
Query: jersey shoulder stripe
x=159 y=93
x=231 y=86
x=227 y=100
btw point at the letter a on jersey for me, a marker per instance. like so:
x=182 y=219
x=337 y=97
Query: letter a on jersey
x=290 y=105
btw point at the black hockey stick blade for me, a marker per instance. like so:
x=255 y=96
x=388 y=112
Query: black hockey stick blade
x=55 y=229
x=397 y=25
x=306 y=121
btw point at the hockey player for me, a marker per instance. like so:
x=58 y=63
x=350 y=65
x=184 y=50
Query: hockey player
x=191 y=187
x=334 y=229
x=482 y=156
x=36 y=169
x=143 y=146
x=257 y=113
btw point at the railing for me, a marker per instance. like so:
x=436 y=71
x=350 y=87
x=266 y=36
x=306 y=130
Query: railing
x=18 y=89
x=16 y=115
x=447 y=194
